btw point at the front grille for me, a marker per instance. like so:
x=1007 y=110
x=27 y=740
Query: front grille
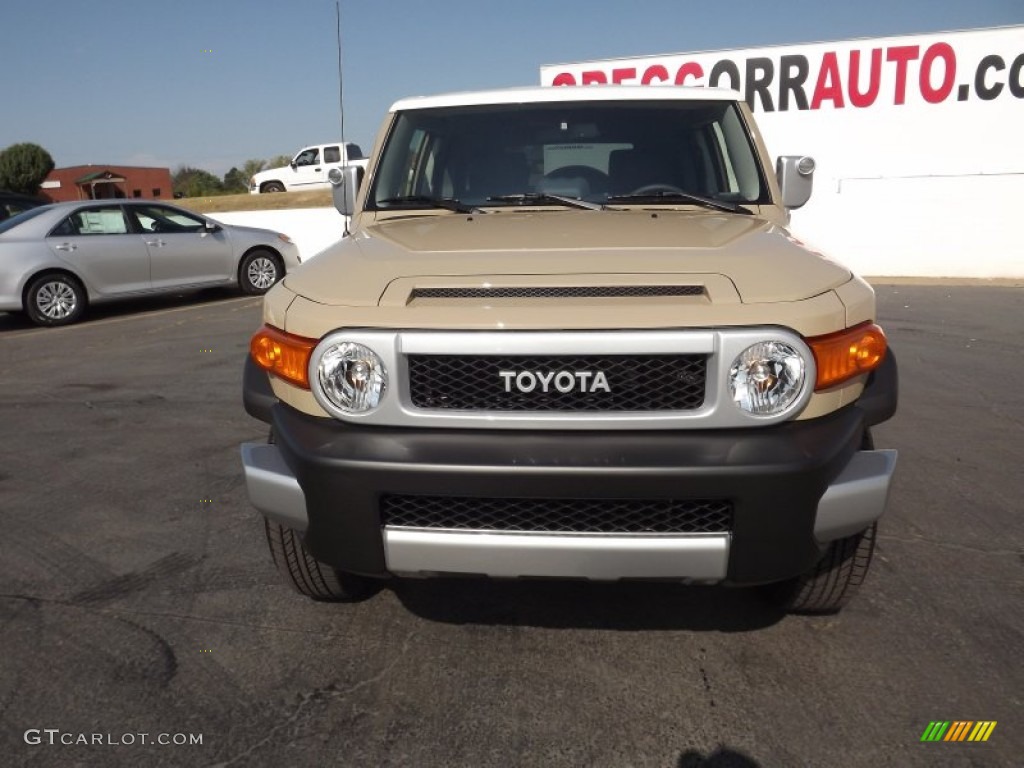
x=635 y=383
x=558 y=515
x=559 y=292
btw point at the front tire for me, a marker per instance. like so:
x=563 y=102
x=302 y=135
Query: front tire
x=55 y=299
x=258 y=272
x=834 y=579
x=272 y=186
x=307 y=574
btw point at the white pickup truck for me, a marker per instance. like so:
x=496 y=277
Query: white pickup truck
x=308 y=169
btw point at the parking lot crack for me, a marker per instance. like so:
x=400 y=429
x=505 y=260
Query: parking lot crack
x=953 y=545
x=317 y=695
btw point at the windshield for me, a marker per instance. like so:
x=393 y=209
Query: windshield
x=21 y=218
x=516 y=154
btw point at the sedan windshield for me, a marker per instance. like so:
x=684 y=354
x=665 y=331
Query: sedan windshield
x=546 y=154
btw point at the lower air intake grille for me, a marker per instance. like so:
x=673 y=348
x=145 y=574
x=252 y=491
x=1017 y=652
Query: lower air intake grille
x=558 y=515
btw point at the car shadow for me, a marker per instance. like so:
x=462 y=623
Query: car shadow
x=723 y=757
x=626 y=606
x=18 y=321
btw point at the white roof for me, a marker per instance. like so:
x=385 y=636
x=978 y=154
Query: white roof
x=564 y=93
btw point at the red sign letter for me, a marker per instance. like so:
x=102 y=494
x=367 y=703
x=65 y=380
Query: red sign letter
x=829 y=85
x=689 y=68
x=937 y=51
x=626 y=73
x=901 y=54
x=655 y=71
x=867 y=98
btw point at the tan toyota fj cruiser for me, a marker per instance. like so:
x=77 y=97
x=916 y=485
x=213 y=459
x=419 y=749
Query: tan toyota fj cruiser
x=570 y=336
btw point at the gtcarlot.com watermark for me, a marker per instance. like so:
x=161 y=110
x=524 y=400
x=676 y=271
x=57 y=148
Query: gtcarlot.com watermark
x=55 y=736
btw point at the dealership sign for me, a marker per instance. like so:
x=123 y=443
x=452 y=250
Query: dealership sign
x=918 y=134
x=984 y=64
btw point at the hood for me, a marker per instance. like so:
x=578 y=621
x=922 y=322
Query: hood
x=761 y=260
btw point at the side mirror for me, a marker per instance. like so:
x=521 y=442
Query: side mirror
x=209 y=227
x=796 y=179
x=344 y=187
x=292 y=164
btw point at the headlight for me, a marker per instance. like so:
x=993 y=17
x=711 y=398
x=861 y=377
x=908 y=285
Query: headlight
x=284 y=238
x=766 y=378
x=352 y=377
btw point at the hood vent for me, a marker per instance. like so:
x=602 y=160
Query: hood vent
x=559 y=292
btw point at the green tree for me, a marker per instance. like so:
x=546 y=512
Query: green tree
x=23 y=167
x=252 y=167
x=279 y=161
x=235 y=182
x=195 y=182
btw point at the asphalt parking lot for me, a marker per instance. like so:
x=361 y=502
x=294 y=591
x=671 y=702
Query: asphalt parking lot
x=137 y=595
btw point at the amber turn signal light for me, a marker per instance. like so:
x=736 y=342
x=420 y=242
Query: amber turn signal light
x=283 y=354
x=841 y=356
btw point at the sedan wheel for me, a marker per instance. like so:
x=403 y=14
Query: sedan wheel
x=259 y=271
x=55 y=300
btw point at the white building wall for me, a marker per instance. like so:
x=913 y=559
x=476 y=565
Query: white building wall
x=311 y=229
x=920 y=161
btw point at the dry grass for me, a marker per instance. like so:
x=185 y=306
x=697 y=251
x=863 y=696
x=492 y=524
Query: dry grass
x=317 y=198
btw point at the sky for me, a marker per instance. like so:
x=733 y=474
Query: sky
x=212 y=84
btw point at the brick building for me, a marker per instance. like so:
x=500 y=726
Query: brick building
x=95 y=182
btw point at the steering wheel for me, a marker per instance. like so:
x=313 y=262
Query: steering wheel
x=648 y=189
x=595 y=178
x=156 y=226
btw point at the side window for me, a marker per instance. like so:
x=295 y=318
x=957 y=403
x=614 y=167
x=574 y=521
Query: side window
x=741 y=158
x=160 y=218
x=108 y=220
x=309 y=156
x=729 y=183
x=419 y=180
x=64 y=229
x=332 y=154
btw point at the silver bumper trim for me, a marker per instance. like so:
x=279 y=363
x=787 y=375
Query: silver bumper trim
x=857 y=497
x=697 y=557
x=272 y=487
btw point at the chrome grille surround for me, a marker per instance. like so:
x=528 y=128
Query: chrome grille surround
x=719 y=346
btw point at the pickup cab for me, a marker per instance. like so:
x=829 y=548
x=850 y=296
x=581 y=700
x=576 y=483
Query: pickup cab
x=570 y=335
x=309 y=168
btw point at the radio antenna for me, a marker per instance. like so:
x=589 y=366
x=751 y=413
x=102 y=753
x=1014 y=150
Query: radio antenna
x=341 y=79
x=341 y=102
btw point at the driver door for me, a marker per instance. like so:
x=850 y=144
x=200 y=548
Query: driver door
x=182 y=252
x=309 y=168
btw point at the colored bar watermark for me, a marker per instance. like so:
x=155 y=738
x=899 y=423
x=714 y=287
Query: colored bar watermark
x=958 y=730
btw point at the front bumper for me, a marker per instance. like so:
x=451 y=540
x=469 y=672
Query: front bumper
x=793 y=488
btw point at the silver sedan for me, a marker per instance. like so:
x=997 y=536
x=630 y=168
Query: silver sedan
x=57 y=259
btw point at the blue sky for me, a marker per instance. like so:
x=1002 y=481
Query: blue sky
x=214 y=83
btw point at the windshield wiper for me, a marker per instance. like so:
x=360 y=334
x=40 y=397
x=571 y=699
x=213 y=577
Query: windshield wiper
x=528 y=198
x=447 y=203
x=667 y=196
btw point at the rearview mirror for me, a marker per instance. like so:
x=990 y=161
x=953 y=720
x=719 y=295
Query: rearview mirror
x=344 y=187
x=796 y=179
